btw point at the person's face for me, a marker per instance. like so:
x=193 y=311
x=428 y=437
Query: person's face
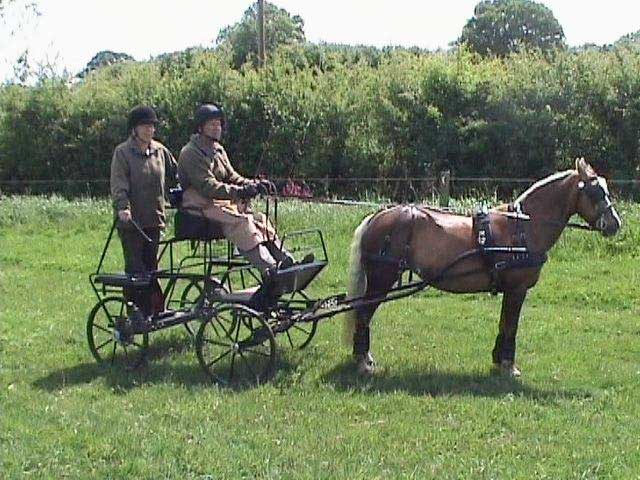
x=145 y=132
x=212 y=129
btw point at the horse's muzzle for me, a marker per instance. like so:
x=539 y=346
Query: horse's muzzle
x=609 y=222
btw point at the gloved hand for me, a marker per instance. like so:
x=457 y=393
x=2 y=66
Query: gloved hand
x=247 y=191
x=266 y=187
x=175 y=196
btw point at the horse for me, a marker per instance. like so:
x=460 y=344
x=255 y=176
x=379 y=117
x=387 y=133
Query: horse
x=452 y=252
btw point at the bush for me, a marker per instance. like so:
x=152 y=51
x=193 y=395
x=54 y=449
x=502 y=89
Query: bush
x=340 y=111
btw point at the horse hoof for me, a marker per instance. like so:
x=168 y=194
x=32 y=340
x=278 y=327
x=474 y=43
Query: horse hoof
x=507 y=368
x=366 y=364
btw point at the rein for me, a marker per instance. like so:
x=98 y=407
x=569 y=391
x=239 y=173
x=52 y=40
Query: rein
x=357 y=203
x=581 y=226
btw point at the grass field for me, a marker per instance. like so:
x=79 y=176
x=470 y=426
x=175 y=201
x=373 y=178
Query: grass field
x=433 y=410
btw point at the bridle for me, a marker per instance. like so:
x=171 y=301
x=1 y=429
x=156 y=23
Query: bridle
x=597 y=193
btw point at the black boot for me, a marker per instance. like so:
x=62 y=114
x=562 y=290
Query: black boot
x=260 y=258
x=285 y=259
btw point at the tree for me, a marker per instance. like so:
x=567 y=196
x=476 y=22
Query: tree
x=103 y=59
x=631 y=40
x=242 y=38
x=500 y=27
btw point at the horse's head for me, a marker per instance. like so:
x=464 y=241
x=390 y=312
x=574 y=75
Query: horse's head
x=594 y=204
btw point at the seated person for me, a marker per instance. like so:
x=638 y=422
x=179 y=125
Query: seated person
x=212 y=186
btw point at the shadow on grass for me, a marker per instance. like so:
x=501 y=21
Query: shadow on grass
x=442 y=383
x=153 y=371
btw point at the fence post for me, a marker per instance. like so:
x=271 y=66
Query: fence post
x=444 y=188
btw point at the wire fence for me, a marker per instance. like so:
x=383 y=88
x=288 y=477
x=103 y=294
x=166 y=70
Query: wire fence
x=397 y=189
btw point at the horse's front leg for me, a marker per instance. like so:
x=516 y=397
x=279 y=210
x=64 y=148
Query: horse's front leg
x=504 y=351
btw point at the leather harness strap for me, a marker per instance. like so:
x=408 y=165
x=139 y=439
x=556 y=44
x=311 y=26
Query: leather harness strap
x=519 y=254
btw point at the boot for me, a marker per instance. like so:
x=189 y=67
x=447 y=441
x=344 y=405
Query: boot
x=284 y=258
x=260 y=258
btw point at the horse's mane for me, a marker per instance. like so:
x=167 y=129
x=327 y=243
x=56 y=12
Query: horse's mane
x=542 y=183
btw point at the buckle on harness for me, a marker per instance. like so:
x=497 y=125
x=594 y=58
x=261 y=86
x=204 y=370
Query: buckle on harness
x=500 y=266
x=482 y=237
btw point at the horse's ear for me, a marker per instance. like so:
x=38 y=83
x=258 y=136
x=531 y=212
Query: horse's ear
x=584 y=169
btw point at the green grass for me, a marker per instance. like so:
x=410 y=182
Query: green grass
x=432 y=411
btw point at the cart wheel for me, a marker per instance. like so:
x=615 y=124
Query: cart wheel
x=190 y=295
x=300 y=334
x=108 y=340
x=236 y=346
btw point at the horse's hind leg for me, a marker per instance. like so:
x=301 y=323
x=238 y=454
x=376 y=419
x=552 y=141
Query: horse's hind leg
x=379 y=281
x=504 y=351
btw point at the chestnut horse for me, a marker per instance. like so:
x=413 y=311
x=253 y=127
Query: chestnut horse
x=444 y=250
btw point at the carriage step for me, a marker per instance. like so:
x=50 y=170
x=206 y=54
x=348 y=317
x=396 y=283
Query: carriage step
x=123 y=280
x=241 y=296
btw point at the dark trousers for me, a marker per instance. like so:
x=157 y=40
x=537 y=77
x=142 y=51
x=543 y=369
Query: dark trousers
x=140 y=259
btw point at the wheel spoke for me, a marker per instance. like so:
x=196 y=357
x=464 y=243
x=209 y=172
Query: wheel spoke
x=237 y=331
x=289 y=338
x=219 y=344
x=226 y=332
x=218 y=358
x=100 y=327
x=103 y=344
x=215 y=330
x=297 y=327
x=113 y=353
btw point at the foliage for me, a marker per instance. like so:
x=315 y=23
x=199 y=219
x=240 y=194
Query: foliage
x=631 y=40
x=281 y=28
x=501 y=27
x=103 y=59
x=341 y=112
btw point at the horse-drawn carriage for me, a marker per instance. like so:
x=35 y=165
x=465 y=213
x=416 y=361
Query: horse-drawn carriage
x=233 y=312
x=240 y=313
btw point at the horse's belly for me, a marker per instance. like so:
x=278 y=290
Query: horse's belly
x=473 y=283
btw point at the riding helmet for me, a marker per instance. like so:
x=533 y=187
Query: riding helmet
x=142 y=115
x=206 y=112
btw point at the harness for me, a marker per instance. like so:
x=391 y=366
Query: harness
x=402 y=263
x=518 y=254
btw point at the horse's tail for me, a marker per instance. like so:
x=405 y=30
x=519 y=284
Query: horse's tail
x=357 y=280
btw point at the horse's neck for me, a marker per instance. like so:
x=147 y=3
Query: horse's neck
x=550 y=206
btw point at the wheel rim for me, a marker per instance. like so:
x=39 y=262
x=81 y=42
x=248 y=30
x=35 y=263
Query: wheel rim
x=190 y=296
x=236 y=347
x=299 y=335
x=107 y=343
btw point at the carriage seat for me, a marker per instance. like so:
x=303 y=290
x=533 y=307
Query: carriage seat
x=193 y=225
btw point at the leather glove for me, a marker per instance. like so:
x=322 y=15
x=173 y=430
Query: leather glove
x=266 y=187
x=247 y=191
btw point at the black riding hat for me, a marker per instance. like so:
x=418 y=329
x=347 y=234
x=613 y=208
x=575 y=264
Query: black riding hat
x=142 y=115
x=206 y=112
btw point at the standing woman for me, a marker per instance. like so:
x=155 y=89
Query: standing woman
x=142 y=170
